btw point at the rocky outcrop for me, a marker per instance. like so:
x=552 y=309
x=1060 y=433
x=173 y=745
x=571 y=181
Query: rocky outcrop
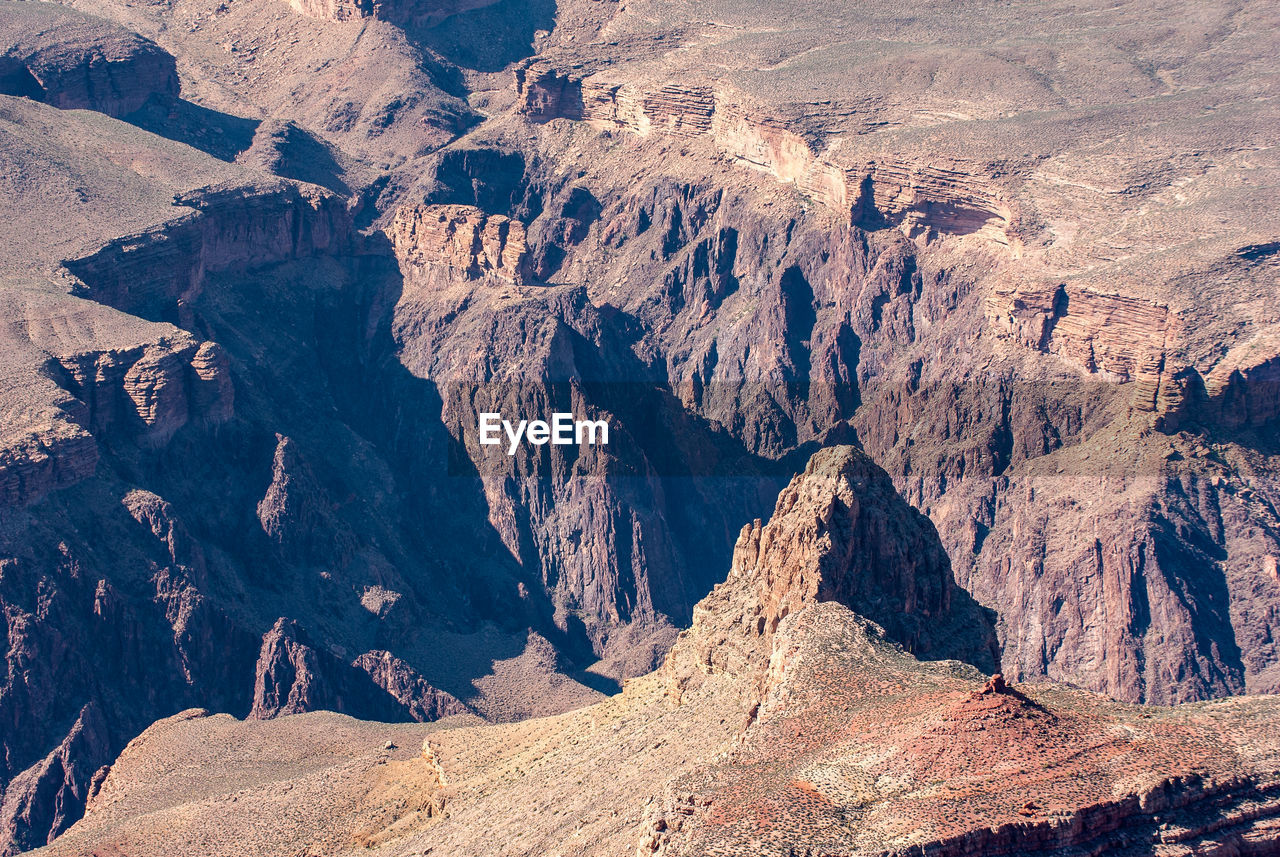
x=334 y=10
x=52 y=54
x=43 y=459
x=212 y=391
x=679 y=110
x=438 y=243
x=1120 y=338
x=47 y=798
x=546 y=93
x=156 y=273
x=295 y=513
x=840 y=533
x=407 y=686
x=1126 y=339
x=770 y=146
x=134 y=380
x=152 y=391
x=156 y=387
x=927 y=200
x=288 y=679
x=1243 y=390
x=292 y=676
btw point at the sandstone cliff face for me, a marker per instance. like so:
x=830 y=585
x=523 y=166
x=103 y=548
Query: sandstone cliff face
x=446 y=241
x=1243 y=390
x=1120 y=338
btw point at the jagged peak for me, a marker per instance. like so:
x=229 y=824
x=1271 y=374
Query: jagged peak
x=839 y=533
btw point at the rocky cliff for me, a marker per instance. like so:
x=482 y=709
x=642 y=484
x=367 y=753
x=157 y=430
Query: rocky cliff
x=839 y=533
x=459 y=241
x=1032 y=279
x=920 y=199
x=781 y=324
x=157 y=274
x=100 y=373
x=850 y=745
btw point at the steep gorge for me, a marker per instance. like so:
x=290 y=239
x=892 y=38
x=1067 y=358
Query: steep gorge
x=283 y=456
x=780 y=326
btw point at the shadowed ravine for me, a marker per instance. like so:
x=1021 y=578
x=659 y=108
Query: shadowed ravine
x=998 y=287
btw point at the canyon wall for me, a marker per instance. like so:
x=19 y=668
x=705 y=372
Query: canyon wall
x=921 y=199
x=155 y=274
x=990 y=407
x=153 y=478
x=459 y=241
x=142 y=384
x=282 y=456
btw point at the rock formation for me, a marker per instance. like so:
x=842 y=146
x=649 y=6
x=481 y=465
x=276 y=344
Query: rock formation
x=49 y=53
x=852 y=746
x=459 y=241
x=920 y=199
x=1025 y=262
x=157 y=273
x=840 y=533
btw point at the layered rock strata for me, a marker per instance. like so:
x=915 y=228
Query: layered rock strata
x=101 y=379
x=459 y=241
x=920 y=199
x=156 y=273
x=1122 y=339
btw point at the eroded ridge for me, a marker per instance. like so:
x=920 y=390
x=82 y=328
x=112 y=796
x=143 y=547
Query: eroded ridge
x=921 y=199
x=782 y=723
